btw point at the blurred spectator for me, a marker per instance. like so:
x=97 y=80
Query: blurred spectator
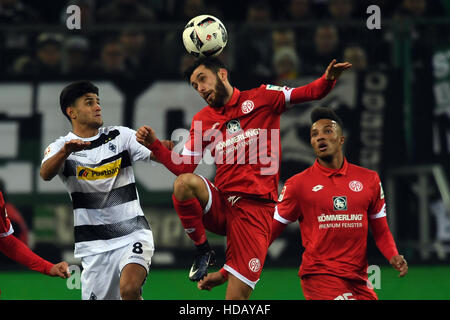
x=326 y=48
x=46 y=60
x=340 y=10
x=14 y=12
x=112 y=59
x=357 y=56
x=286 y=64
x=283 y=38
x=138 y=56
x=14 y=43
x=253 y=44
x=299 y=11
x=189 y=9
x=76 y=56
x=18 y=222
x=131 y=11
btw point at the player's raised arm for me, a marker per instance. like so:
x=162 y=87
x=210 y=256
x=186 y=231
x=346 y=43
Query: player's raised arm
x=51 y=166
x=161 y=150
x=319 y=88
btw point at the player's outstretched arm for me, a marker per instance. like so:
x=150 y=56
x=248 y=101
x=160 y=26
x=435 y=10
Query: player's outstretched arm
x=147 y=137
x=50 y=167
x=334 y=69
x=16 y=250
x=319 y=88
x=60 y=270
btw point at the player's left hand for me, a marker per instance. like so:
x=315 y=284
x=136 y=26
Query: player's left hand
x=60 y=270
x=399 y=263
x=334 y=69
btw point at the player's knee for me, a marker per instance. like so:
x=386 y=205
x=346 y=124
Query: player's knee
x=129 y=291
x=185 y=185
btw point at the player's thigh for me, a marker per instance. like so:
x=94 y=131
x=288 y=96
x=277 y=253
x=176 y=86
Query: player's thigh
x=100 y=276
x=215 y=210
x=189 y=185
x=326 y=287
x=139 y=253
x=237 y=290
x=364 y=291
x=247 y=241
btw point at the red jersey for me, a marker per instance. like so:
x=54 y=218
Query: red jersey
x=334 y=209
x=5 y=224
x=243 y=138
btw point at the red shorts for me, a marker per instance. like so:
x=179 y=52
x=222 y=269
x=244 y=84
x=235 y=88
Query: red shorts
x=247 y=224
x=328 y=287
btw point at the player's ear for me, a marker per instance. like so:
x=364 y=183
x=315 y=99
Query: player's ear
x=70 y=111
x=223 y=74
x=342 y=140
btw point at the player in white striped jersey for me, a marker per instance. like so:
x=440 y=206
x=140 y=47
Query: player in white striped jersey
x=112 y=236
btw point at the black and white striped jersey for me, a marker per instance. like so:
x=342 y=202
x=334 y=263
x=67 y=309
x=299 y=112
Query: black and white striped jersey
x=101 y=184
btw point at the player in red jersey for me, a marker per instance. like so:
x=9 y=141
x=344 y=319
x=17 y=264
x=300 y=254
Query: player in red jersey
x=335 y=202
x=241 y=130
x=19 y=252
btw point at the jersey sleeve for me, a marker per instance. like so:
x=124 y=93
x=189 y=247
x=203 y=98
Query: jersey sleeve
x=276 y=96
x=377 y=208
x=137 y=151
x=5 y=224
x=52 y=149
x=194 y=145
x=287 y=209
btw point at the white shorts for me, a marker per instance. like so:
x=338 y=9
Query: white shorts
x=100 y=278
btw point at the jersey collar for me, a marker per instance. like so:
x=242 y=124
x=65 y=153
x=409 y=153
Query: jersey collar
x=331 y=172
x=234 y=99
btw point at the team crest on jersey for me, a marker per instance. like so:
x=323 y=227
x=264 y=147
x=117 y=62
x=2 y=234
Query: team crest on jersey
x=112 y=147
x=247 y=106
x=340 y=203
x=355 y=186
x=233 y=126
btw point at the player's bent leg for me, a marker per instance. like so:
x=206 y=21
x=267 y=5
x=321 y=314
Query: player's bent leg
x=188 y=186
x=190 y=196
x=131 y=281
x=237 y=290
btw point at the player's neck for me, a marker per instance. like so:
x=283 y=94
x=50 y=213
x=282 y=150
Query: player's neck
x=230 y=91
x=84 y=131
x=334 y=162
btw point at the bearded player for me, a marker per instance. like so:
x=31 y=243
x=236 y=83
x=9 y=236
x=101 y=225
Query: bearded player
x=241 y=130
x=335 y=202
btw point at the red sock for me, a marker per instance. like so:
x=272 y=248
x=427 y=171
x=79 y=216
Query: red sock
x=191 y=214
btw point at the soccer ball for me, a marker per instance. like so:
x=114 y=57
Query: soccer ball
x=205 y=36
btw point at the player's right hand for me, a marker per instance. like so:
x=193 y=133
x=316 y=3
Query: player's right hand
x=75 y=145
x=145 y=136
x=211 y=280
x=399 y=263
x=60 y=270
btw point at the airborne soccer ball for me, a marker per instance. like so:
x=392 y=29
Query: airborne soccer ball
x=205 y=35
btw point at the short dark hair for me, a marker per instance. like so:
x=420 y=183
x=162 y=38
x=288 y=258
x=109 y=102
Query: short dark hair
x=73 y=91
x=325 y=113
x=211 y=63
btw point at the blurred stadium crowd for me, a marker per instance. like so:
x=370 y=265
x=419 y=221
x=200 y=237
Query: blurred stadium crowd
x=130 y=38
